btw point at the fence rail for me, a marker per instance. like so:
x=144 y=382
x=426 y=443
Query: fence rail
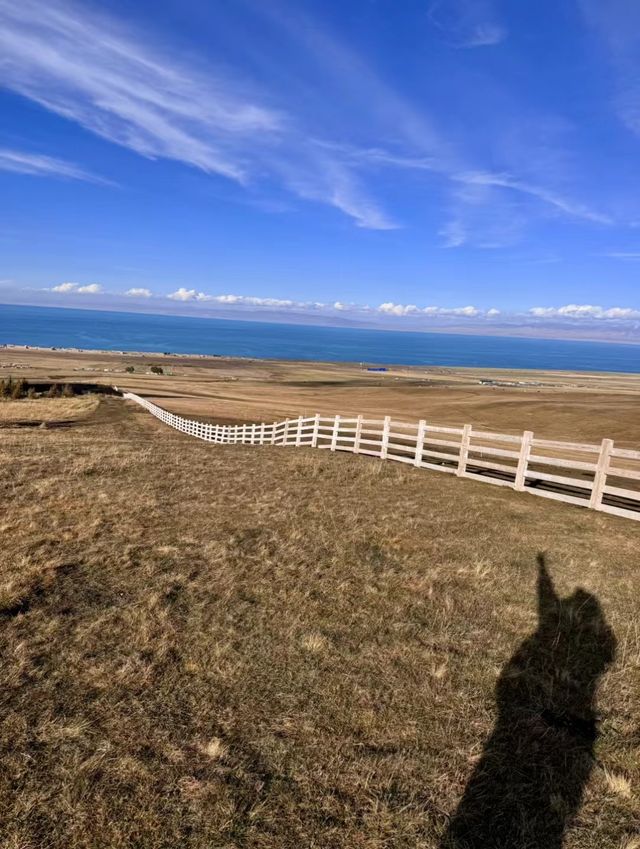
x=601 y=477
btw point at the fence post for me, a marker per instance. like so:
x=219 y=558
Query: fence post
x=262 y=433
x=386 y=427
x=422 y=426
x=273 y=433
x=358 y=435
x=316 y=428
x=523 y=460
x=334 y=434
x=286 y=432
x=464 y=450
x=600 y=478
x=299 y=432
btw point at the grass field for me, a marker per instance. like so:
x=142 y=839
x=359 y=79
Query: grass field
x=46 y=409
x=557 y=405
x=210 y=646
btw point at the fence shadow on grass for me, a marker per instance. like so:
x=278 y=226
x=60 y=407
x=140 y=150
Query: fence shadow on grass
x=529 y=782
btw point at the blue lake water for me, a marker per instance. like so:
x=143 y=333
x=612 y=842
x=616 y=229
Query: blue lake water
x=119 y=331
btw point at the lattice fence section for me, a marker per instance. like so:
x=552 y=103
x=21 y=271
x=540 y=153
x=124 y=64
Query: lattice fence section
x=600 y=477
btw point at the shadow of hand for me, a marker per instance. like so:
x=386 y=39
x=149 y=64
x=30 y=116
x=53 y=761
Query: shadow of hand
x=529 y=782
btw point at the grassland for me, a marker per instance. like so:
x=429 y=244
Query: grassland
x=556 y=405
x=210 y=646
x=46 y=410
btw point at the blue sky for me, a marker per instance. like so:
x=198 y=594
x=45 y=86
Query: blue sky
x=422 y=163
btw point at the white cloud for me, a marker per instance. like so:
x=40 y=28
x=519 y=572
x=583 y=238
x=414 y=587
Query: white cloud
x=411 y=309
x=138 y=293
x=585 y=311
x=621 y=312
x=248 y=300
x=469 y=311
x=38 y=165
x=398 y=309
x=183 y=294
x=387 y=308
x=65 y=287
x=77 y=289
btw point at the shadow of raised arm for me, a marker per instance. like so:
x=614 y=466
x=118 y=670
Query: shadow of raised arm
x=529 y=782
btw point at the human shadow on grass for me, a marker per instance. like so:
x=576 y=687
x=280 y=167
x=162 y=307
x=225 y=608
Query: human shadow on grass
x=529 y=782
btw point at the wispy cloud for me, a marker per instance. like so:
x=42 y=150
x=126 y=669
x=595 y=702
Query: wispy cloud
x=320 y=144
x=566 y=205
x=85 y=66
x=38 y=165
x=467 y=23
x=616 y=25
x=630 y=255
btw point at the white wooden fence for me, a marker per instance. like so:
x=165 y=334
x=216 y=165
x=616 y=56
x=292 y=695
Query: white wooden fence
x=601 y=477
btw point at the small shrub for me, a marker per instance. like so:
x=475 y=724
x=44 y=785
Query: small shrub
x=19 y=389
x=31 y=393
x=6 y=388
x=53 y=391
x=67 y=391
x=157 y=370
x=129 y=369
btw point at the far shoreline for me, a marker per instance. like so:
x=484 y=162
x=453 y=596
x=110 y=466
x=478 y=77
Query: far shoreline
x=382 y=366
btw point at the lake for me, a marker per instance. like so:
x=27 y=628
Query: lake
x=118 y=331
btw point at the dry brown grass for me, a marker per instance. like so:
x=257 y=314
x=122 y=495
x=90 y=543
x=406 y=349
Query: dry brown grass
x=565 y=405
x=258 y=647
x=46 y=409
